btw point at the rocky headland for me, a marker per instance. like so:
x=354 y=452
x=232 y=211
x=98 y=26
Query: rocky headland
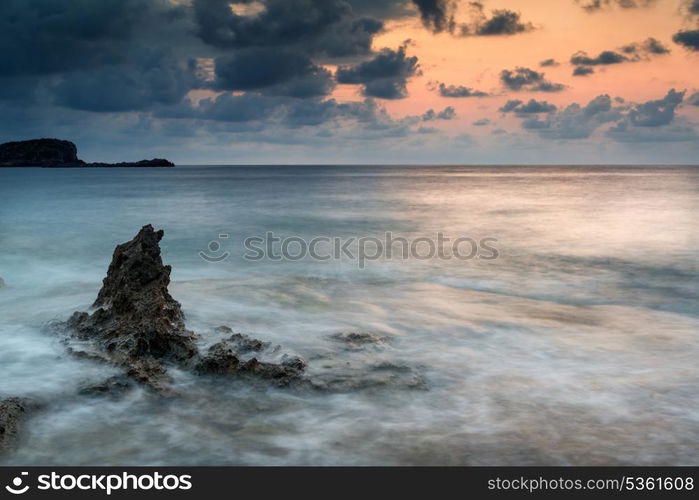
x=56 y=153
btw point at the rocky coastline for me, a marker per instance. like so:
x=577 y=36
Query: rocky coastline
x=57 y=153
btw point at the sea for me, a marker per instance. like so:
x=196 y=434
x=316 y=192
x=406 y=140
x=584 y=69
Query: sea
x=562 y=329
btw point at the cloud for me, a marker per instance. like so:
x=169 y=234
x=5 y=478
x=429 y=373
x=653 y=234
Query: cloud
x=650 y=121
x=531 y=107
x=632 y=52
x=459 y=91
x=548 y=63
x=43 y=37
x=583 y=71
x=328 y=27
x=448 y=113
x=656 y=113
x=527 y=79
x=384 y=76
x=604 y=58
x=693 y=100
x=597 y=5
x=574 y=121
x=276 y=71
x=687 y=38
x=500 y=22
x=482 y=122
x=437 y=15
x=156 y=78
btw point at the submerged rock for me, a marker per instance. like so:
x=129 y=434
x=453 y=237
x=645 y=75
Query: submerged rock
x=344 y=377
x=357 y=340
x=12 y=412
x=112 y=387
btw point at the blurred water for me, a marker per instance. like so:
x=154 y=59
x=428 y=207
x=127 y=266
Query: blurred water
x=578 y=345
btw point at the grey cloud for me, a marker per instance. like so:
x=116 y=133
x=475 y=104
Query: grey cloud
x=448 y=113
x=656 y=113
x=157 y=77
x=500 y=22
x=548 y=63
x=459 y=91
x=437 y=15
x=481 y=122
x=384 y=76
x=597 y=5
x=688 y=39
x=531 y=107
x=651 y=121
x=575 y=121
x=527 y=79
x=604 y=58
x=583 y=71
x=318 y=26
x=278 y=71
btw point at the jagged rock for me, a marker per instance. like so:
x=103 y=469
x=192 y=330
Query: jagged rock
x=222 y=359
x=12 y=412
x=140 y=327
x=136 y=316
x=137 y=324
x=244 y=344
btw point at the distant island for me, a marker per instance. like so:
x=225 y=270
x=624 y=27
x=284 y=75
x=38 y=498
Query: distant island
x=56 y=153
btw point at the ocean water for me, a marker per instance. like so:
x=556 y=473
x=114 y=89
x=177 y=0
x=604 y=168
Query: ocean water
x=577 y=345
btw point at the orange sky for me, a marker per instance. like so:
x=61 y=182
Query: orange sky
x=562 y=28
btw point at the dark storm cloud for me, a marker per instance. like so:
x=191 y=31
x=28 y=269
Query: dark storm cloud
x=384 y=76
x=39 y=37
x=500 y=22
x=583 y=71
x=278 y=71
x=459 y=91
x=156 y=77
x=316 y=26
x=531 y=107
x=527 y=79
x=597 y=5
x=448 y=113
x=437 y=15
x=688 y=38
x=548 y=63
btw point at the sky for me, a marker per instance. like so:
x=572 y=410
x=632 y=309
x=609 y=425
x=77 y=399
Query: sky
x=355 y=81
